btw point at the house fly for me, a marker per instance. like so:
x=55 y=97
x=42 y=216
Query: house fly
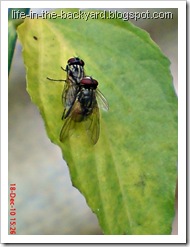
x=75 y=72
x=85 y=110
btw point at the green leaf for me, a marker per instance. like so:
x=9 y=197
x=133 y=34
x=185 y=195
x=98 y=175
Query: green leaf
x=128 y=178
x=12 y=35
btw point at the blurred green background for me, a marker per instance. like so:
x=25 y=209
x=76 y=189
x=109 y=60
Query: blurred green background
x=46 y=202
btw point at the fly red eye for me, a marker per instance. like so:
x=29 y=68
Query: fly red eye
x=75 y=60
x=89 y=81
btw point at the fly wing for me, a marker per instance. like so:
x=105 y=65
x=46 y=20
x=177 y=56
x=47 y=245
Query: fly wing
x=71 y=121
x=102 y=100
x=69 y=95
x=92 y=125
x=68 y=126
x=65 y=90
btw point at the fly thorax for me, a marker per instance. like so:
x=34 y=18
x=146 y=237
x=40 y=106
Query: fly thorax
x=86 y=99
x=75 y=73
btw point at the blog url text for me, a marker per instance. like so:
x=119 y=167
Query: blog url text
x=87 y=15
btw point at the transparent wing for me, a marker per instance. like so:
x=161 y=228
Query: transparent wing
x=102 y=100
x=64 y=93
x=92 y=125
x=68 y=96
x=70 y=122
x=67 y=128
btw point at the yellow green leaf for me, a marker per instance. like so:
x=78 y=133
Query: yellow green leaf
x=128 y=178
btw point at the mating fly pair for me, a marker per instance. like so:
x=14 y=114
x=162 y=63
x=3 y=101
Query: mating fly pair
x=80 y=95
